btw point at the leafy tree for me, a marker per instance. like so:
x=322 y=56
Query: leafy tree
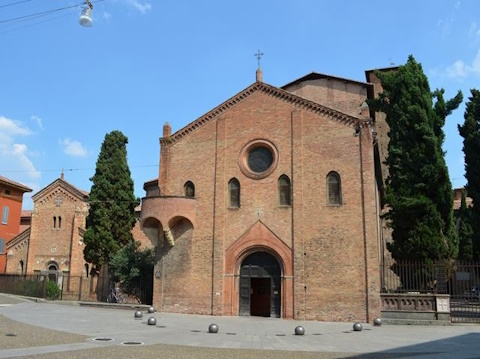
x=418 y=188
x=112 y=202
x=52 y=291
x=465 y=231
x=470 y=131
x=132 y=266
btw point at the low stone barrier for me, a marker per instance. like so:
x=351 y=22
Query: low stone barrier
x=416 y=308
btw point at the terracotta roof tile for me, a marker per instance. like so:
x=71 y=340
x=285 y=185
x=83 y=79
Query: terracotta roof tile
x=15 y=184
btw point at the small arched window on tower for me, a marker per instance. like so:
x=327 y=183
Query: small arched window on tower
x=234 y=193
x=59 y=222
x=284 y=191
x=334 y=189
x=54 y=222
x=189 y=189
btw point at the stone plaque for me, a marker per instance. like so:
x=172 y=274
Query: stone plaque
x=443 y=305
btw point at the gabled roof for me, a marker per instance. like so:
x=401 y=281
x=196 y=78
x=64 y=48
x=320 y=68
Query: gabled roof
x=14 y=184
x=19 y=238
x=316 y=76
x=272 y=91
x=62 y=183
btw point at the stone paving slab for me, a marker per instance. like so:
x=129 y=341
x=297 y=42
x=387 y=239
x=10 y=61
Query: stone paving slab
x=237 y=336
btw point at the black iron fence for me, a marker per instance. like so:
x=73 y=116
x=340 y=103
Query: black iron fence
x=460 y=280
x=24 y=285
x=74 y=288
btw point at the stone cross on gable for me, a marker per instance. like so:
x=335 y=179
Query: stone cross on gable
x=58 y=201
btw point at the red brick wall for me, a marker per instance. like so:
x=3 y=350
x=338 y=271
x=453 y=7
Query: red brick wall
x=10 y=229
x=345 y=96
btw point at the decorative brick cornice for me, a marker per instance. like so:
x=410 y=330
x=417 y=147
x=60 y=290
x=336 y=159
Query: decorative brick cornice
x=271 y=91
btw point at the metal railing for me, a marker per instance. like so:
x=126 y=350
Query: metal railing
x=73 y=288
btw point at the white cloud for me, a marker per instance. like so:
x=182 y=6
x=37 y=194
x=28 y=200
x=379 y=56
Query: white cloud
x=11 y=128
x=143 y=7
x=73 y=148
x=38 y=121
x=15 y=162
x=20 y=152
x=460 y=69
x=107 y=16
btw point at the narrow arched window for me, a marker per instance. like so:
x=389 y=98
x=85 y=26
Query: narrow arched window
x=284 y=191
x=334 y=188
x=189 y=189
x=54 y=222
x=234 y=193
x=59 y=222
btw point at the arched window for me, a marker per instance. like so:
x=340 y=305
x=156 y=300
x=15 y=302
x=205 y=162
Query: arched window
x=59 y=222
x=189 y=189
x=234 y=193
x=284 y=195
x=334 y=188
x=54 y=222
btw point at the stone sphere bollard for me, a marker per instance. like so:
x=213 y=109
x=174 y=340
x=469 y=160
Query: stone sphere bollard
x=152 y=321
x=151 y=310
x=357 y=327
x=213 y=328
x=377 y=322
x=138 y=314
x=299 y=330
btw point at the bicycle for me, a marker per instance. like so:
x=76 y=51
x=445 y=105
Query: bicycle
x=115 y=296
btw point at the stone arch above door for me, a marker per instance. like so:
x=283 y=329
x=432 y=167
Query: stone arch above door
x=258 y=237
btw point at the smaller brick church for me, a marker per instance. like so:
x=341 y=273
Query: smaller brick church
x=53 y=244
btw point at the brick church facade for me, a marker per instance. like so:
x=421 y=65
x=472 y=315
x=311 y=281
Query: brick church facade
x=268 y=205
x=53 y=244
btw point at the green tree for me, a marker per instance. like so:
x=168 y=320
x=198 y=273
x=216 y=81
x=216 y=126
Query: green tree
x=465 y=231
x=470 y=131
x=132 y=267
x=112 y=202
x=418 y=187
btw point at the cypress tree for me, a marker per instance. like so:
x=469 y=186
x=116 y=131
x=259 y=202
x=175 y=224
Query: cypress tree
x=465 y=231
x=470 y=131
x=418 y=188
x=112 y=202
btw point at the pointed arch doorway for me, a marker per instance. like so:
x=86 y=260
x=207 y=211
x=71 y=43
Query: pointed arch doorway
x=260 y=285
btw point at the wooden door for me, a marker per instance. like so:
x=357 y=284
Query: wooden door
x=260 y=297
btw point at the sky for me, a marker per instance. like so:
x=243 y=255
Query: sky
x=143 y=63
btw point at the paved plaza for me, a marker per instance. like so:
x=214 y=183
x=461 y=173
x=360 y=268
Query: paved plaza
x=57 y=330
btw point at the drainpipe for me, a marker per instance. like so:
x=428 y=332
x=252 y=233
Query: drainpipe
x=362 y=189
x=214 y=214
